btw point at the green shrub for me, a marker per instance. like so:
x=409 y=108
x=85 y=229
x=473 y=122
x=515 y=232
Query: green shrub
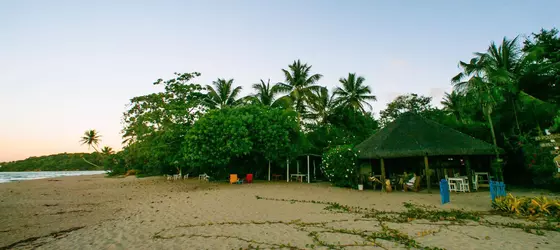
x=340 y=166
x=535 y=206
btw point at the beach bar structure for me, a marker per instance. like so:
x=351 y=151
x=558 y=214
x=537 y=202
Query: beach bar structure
x=309 y=161
x=414 y=136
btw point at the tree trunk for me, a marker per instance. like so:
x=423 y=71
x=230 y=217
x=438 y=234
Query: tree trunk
x=90 y=162
x=515 y=115
x=498 y=172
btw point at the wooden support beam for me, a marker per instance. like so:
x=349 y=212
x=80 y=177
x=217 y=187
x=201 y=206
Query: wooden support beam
x=287 y=170
x=382 y=175
x=427 y=174
x=268 y=170
x=469 y=172
x=308 y=172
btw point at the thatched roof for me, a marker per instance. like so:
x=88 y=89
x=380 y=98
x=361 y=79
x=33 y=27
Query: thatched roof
x=412 y=135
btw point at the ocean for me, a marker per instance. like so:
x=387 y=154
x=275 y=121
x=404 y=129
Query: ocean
x=24 y=176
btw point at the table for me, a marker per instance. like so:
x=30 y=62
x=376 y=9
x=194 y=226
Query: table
x=203 y=177
x=298 y=176
x=482 y=174
x=459 y=183
x=276 y=177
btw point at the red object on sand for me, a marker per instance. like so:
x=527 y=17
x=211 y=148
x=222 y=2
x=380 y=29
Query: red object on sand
x=249 y=178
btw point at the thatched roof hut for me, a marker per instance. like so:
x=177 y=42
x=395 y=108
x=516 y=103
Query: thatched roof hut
x=412 y=135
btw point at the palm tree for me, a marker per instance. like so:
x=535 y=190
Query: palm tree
x=107 y=150
x=222 y=94
x=299 y=84
x=354 y=93
x=452 y=103
x=266 y=95
x=503 y=67
x=474 y=82
x=321 y=105
x=91 y=138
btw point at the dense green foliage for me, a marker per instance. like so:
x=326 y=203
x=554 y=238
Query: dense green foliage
x=221 y=136
x=340 y=166
x=505 y=95
x=57 y=162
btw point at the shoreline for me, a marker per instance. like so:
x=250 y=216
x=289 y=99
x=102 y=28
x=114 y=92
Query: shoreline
x=8 y=177
x=151 y=213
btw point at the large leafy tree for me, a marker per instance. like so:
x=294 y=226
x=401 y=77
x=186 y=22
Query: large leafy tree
x=412 y=103
x=300 y=83
x=222 y=94
x=542 y=73
x=155 y=124
x=266 y=95
x=222 y=136
x=354 y=93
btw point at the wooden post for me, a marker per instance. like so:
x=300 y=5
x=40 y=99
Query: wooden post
x=382 y=174
x=469 y=172
x=297 y=168
x=427 y=174
x=268 y=170
x=314 y=172
x=308 y=172
x=287 y=170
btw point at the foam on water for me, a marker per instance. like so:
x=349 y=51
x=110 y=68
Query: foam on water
x=24 y=176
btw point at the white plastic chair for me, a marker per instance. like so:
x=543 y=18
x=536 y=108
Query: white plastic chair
x=185 y=176
x=465 y=186
x=475 y=182
x=452 y=185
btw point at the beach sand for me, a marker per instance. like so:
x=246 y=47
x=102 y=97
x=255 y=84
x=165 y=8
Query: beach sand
x=94 y=212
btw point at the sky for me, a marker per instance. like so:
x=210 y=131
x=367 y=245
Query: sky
x=70 y=66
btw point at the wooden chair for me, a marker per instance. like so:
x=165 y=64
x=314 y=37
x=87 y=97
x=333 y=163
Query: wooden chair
x=416 y=186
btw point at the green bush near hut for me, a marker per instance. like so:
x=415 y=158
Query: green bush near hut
x=340 y=166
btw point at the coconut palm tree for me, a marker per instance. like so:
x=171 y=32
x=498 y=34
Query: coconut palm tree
x=475 y=83
x=503 y=65
x=452 y=103
x=266 y=95
x=299 y=84
x=91 y=138
x=222 y=94
x=354 y=93
x=107 y=150
x=321 y=105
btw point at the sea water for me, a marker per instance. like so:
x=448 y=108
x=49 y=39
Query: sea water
x=24 y=176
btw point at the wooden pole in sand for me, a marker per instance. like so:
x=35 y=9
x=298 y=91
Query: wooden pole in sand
x=427 y=173
x=308 y=172
x=268 y=170
x=382 y=174
x=469 y=173
x=315 y=173
x=287 y=170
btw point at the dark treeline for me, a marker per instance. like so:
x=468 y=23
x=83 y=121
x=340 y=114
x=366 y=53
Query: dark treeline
x=506 y=94
x=56 y=162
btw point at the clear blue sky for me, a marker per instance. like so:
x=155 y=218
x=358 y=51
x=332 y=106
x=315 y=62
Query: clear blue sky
x=69 y=66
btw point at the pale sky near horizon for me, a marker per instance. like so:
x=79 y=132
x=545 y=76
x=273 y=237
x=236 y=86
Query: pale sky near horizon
x=70 y=66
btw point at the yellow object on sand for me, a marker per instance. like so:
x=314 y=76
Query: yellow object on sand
x=232 y=178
